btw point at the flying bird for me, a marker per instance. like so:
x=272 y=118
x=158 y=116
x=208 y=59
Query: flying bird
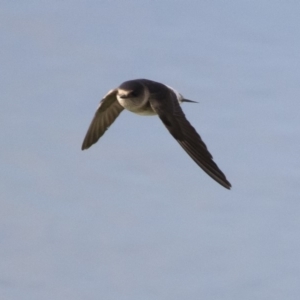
x=147 y=97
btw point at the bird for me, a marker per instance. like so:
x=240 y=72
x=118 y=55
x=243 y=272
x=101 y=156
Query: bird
x=146 y=97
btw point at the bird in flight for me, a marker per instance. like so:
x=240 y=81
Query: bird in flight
x=147 y=97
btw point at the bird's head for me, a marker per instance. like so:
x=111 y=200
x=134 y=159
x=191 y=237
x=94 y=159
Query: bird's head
x=130 y=89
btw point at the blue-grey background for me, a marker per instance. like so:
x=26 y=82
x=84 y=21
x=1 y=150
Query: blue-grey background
x=134 y=217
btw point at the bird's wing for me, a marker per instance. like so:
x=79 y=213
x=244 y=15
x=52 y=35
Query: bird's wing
x=106 y=113
x=174 y=119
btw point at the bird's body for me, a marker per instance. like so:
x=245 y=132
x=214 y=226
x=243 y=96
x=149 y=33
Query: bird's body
x=146 y=97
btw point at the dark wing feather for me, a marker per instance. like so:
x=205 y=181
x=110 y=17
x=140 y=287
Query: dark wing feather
x=174 y=119
x=108 y=110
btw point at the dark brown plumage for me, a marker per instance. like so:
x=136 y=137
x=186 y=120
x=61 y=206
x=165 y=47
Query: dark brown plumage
x=148 y=97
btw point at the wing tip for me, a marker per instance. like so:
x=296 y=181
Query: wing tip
x=226 y=184
x=221 y=179
x=85 y=145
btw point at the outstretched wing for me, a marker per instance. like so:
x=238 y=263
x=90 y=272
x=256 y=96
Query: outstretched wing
x=106 y=113
x=174 y=119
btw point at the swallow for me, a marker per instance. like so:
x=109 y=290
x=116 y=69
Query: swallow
x=146 y=97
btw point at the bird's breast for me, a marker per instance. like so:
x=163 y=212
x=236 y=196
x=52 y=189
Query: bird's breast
x=137 y=106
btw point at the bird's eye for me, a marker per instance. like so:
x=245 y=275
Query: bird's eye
x=133 y=94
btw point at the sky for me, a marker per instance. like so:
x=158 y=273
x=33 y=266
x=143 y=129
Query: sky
x=133 y=217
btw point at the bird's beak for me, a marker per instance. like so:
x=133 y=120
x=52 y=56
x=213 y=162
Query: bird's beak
x=190 y=101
